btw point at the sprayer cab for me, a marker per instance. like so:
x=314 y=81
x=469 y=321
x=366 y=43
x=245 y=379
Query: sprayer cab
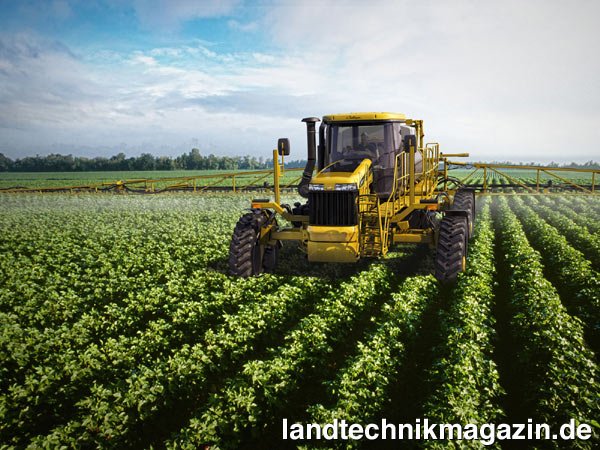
x=346 y=140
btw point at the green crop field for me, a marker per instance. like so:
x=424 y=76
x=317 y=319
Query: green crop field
x=121 y=328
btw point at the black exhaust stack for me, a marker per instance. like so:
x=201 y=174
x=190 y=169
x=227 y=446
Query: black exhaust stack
x=310 y=163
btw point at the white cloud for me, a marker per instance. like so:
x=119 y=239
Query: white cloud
x=207 y=52
x=145 y=60
x=521 y=73
x=52 y=100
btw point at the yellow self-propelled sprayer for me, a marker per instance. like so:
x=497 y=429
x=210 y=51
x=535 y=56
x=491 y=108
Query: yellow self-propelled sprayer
x=376 y=184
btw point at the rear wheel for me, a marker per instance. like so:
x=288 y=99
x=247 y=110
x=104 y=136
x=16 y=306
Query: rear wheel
x=464 y=199
x=451 y=252
x=245 y=253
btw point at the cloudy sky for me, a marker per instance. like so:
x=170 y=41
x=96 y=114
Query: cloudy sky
x=502 y=80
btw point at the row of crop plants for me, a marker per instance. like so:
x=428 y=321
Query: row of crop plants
x=252 y=401
x=80 y=303
x=584 y=209
x=585 y=206
x=86 y=302
x=594 y=202
x=564 y=205
x=59 y=268
x=492 y=182
x=124 y=410
x=578 y=236
x=53 y=367
x=463 y=379
x=464 y=375
x=570 y=272
x=76 y=360
x=360 y=391
x=557 y=373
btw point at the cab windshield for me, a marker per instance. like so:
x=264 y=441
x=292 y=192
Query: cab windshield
x=350 y=144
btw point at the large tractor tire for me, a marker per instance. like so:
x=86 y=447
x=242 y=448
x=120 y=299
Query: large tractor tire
x=246 y=257
x=451 y=252
x=245 y=254
x=464 y=199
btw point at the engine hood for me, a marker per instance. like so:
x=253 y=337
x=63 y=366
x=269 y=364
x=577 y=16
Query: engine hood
x=330 y=179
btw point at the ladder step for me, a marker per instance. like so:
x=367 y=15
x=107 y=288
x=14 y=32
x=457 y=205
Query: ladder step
x=371 y=241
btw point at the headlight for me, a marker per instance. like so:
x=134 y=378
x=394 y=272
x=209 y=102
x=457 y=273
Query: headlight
x=316 y=187
x=346 y=187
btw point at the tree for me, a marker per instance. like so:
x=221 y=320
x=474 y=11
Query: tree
x=194 y=161
x=146 y=162
x=165 y=163
x=6 y=164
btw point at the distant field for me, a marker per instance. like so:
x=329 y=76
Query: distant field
x=54 y=179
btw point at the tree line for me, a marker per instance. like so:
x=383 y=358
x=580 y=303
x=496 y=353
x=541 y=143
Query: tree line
x=188 y=161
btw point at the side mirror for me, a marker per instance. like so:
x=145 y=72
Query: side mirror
x=283 y=146
x=410 y=140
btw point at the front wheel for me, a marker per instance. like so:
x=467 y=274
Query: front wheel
x=452 y=246
x=247 y=256
x=245 y=252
